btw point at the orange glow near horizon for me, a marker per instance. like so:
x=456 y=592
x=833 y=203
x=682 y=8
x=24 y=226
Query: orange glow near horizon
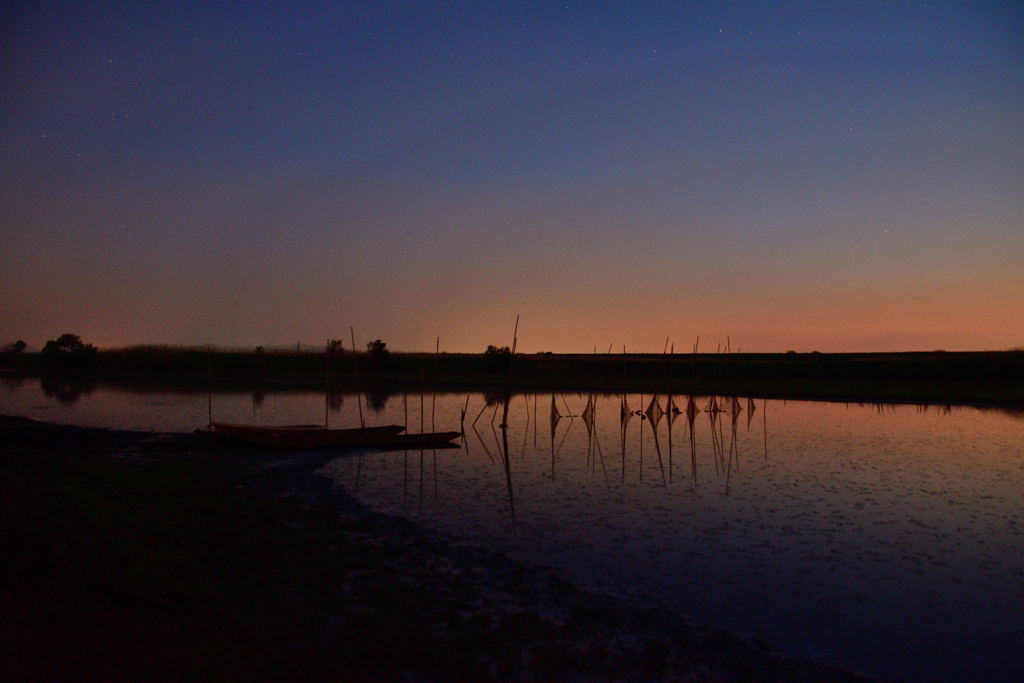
x=415 y=175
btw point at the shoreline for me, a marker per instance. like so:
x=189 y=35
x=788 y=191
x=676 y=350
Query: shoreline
x=989 y=378
x=75 y=384
x=174 y=556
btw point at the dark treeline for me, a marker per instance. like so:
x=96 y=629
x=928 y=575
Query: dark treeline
x=949 y=377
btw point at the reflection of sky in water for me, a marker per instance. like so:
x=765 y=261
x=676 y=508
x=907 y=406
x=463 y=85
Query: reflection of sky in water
x=887 y=540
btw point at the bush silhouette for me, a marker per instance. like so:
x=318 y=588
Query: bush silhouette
x=9 y=352
x=498 y=357
x=14 y=349
x=379 y=354
x=68 y=350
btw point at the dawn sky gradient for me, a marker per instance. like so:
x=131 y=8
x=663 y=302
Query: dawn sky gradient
x=796 y=175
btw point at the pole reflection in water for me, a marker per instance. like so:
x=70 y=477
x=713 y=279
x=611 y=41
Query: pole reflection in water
x=640 y=433
x=654 y=414
x=672 y=413
x=526 y=430
x=764 y=415
x=508 y=464
x=625 y=414
x=555 y=417
x=535 y=420
x=691 y=416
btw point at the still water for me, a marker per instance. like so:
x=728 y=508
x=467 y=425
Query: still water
x=884 y=539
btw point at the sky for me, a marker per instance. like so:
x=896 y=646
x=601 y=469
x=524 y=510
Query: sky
x=790 y=175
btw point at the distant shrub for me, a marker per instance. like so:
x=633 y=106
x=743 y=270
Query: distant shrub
x=14 y=348
x=68 y=350
x=380 y=357
x=9 y=352
x=498 y=357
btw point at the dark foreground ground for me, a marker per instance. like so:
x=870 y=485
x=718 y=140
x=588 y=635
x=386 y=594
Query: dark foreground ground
x=132 y=556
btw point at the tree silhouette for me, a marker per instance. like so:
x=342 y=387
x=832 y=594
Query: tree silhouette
x=334 y=348
x=9 y=352
x=377 y=348
x=68 y=350
x=379 y=355
x=498 y=357
x=14 y=348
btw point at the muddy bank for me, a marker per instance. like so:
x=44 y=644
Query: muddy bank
x=134 y=555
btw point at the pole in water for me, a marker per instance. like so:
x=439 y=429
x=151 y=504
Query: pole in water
x=209 y=386
x=327 y=382
x=515 y=341
x=355 y=361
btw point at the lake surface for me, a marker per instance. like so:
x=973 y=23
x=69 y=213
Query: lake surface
x=884 y=539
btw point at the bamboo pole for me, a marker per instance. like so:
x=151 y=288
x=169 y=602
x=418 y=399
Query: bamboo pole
x=534 y=420
x=209 y=386
x=355 y=368
x=515 y=342
x=764 y=415
x=355 y=361
x=405 y=459
x=482 y=409
x=327 y=392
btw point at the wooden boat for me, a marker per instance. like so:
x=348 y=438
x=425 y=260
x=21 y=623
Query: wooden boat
x=310 y=436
